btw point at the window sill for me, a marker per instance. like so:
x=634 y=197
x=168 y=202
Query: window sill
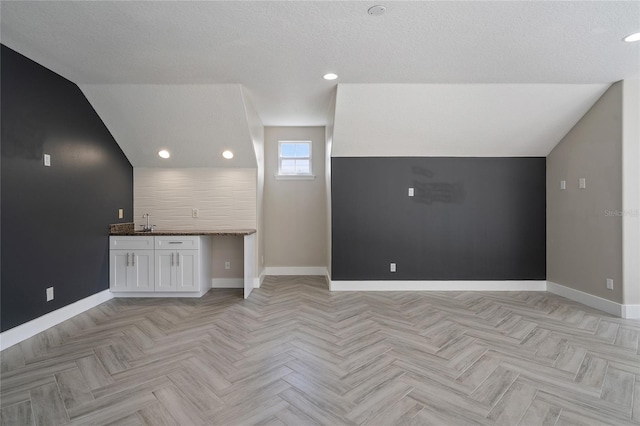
x=295 y=177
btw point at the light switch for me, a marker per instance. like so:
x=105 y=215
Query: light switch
x=120 y=213
x=410 y=192
x=563 y=184
x=392 y=267
x=583 y=183
x=47 y=160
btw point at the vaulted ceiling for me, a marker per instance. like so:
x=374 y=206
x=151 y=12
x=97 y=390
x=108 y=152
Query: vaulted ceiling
x=461 y=120
x=195 y=123
x=278 y=51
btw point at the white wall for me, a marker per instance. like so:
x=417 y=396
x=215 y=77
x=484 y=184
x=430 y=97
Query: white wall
x=225 y=198
x=295 y=210
x=327 y=173
x=195 y=122
x=256 y=130
x=631 y=190
x=467 y=120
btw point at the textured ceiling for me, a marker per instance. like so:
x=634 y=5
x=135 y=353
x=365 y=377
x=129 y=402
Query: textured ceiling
x=280 y=50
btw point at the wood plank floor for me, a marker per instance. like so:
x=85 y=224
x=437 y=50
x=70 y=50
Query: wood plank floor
x=296 y=354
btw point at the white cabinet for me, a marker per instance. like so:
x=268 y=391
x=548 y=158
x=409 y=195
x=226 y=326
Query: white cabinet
x=160 y=265
x=177 y=270
x=131 y=264
x=165 y=276
x=131 y=270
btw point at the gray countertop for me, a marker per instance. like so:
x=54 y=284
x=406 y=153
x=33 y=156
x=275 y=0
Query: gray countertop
x=128 y=229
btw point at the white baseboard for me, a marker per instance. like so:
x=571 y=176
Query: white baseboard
x=525 y=285
x=40 y=324
x=227 y=283
x=259 y=280
x=631 y=311
x=295 y=270
x=599 y=303
x=153 y=294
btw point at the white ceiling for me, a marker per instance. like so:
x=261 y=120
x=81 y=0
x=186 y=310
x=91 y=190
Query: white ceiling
x=195 y=123
x=280 y=50
x=472 y=120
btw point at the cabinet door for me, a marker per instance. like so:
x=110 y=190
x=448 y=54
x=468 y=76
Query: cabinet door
x=131 y=270
x=165 y=271
x=118 y=270
x=141 y=271
x=187 y=270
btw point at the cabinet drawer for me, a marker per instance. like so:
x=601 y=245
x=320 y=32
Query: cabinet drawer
x=130 y=243
x=177 y=243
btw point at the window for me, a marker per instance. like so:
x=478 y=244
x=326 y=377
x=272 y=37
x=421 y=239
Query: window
x=294 y=158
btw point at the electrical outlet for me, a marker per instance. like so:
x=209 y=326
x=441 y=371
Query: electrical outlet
x=47 y=160
x=227 y=265
x=609 y=284
x=563 y=184
x=411 y=192
x=49 y=294
x=120 y=213
x=392 y=267
x=195 y=213
x=582 y=183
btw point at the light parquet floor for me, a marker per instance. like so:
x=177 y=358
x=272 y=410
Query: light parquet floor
x=296 y=354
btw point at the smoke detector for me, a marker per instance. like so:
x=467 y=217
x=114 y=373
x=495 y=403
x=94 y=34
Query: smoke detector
x=376 y=10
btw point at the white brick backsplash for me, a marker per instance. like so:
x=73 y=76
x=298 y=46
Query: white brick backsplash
x=225 y=198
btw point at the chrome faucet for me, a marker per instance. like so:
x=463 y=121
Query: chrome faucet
x=147 y=227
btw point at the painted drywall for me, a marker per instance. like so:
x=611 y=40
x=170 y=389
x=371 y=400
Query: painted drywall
x=327 y=173
x=584 y=235
x=225 y=198
x=457 y=120
x=194 y=122
x=295 y=210
x=281 y=48
x=227 y=249
x=469 y=218
x=256 y=130
x=55 y=220
x=631 y=191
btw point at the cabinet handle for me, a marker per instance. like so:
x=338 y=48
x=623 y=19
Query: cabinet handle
x=133 y=259
x=178 y=258
x=175 y=242
x=127 y=259
x=172 y=258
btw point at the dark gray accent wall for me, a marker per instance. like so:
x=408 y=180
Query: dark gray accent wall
x=469 y=219
x=54 y=223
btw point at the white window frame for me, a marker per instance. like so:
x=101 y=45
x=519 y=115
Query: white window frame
x=302 y=176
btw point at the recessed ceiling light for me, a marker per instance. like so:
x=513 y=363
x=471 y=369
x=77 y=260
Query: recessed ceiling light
x=164 y=153
x=228 y=155
x=330 y=76
x=632 y=37
x=376 y=10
